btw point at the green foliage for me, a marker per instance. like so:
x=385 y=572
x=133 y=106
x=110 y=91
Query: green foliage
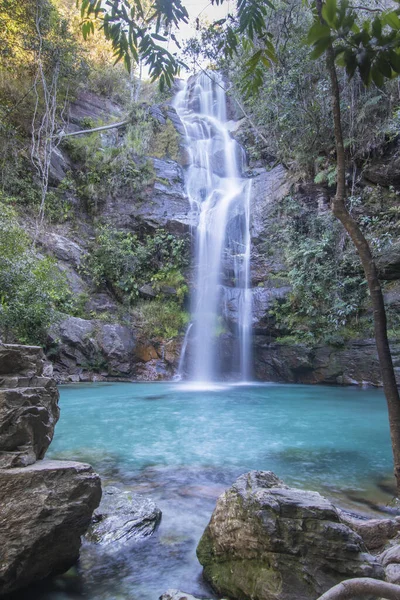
x=101 y=172
x=328 y=291
x=123 y=262
x=160 y=318
x=33 y=290
x=165 y=142
x=370 y=46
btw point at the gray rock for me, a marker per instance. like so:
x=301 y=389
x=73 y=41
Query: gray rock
x=375 y=533
x=267 y=541
x=147 y=291
x=392 y=573
x=164 y=203
x=91 y=346
x=101 y=303
x=355 y=363
x=388 y=263
x=390 y=556
x=62 y=248
x=123 y=517
x=28 y=405
x=21 y=360
x=44 y=510
x=117 y=344
x=176 y=595
x=27 y=420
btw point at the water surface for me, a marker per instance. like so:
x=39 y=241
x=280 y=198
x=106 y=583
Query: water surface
x=183 y=447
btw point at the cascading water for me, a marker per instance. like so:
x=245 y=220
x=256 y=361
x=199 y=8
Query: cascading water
x=220 y=195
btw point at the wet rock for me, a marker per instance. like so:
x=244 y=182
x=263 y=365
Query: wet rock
x=123 y=517
x=176 y=595
x=388 y=263
x=267 y=541
x=392 y=573
x=44 y=510
x=28 y=406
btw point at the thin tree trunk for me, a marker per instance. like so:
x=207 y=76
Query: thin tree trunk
x=380 y=325
x=362 y=587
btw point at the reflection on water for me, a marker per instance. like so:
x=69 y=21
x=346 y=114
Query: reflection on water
x=184 y=447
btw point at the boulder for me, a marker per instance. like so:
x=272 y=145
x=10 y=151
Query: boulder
x=24 y=360
x=267 y=541
x=28 y=416
x=44 y=510
x=375 y=533
x=91 y=345
x=28 y=405
x=123 y=517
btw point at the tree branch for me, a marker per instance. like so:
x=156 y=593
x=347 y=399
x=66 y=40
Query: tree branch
x=362 y=586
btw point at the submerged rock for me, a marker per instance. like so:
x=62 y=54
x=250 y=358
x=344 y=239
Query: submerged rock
x=176 y=595
x=122 y=517
x=267 y=541
x=44 y=510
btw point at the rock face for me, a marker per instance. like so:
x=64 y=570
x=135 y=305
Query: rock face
x=28 y=406
x=89 y=349
x=45 y=508
x=122 y=517
x=176 y=595
x=388 y=263
x=355 y=363
x=267 y=541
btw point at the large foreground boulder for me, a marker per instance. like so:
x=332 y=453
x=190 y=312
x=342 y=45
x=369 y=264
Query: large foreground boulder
x=28 y=405
x=44 y=510
x=267 y=541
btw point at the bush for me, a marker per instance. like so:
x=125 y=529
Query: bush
x=158 y=318
x=33 y=291
x=123 y=262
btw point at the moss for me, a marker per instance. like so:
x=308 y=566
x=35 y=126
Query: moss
x=165 y=143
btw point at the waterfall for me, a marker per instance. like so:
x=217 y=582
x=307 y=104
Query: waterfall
x=220 y=196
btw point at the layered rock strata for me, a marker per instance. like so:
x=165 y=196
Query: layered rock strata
x=45 y=505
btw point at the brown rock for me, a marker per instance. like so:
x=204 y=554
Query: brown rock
x=44 y=510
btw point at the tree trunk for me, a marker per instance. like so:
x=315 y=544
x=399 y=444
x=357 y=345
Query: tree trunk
x=363 y=586
x=380 y=324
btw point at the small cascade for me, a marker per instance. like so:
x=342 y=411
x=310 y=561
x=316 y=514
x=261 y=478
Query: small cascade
x=220 y=196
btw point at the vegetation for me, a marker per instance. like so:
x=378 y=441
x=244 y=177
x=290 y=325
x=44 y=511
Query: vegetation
x=33 y=291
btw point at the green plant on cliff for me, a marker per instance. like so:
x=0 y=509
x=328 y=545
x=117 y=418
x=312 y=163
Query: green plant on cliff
x=124 y=262
x=161 y=318
x=328 y=292
x=33 y=291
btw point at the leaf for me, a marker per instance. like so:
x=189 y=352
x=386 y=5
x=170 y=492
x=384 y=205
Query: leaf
x=317 y=31
x=329 y=12
x=392 y=19
x=320 y=47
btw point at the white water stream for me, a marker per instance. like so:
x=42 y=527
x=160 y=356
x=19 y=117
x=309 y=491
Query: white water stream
x=220 y=195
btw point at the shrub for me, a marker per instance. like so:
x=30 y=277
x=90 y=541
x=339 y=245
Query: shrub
x=33 y=291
